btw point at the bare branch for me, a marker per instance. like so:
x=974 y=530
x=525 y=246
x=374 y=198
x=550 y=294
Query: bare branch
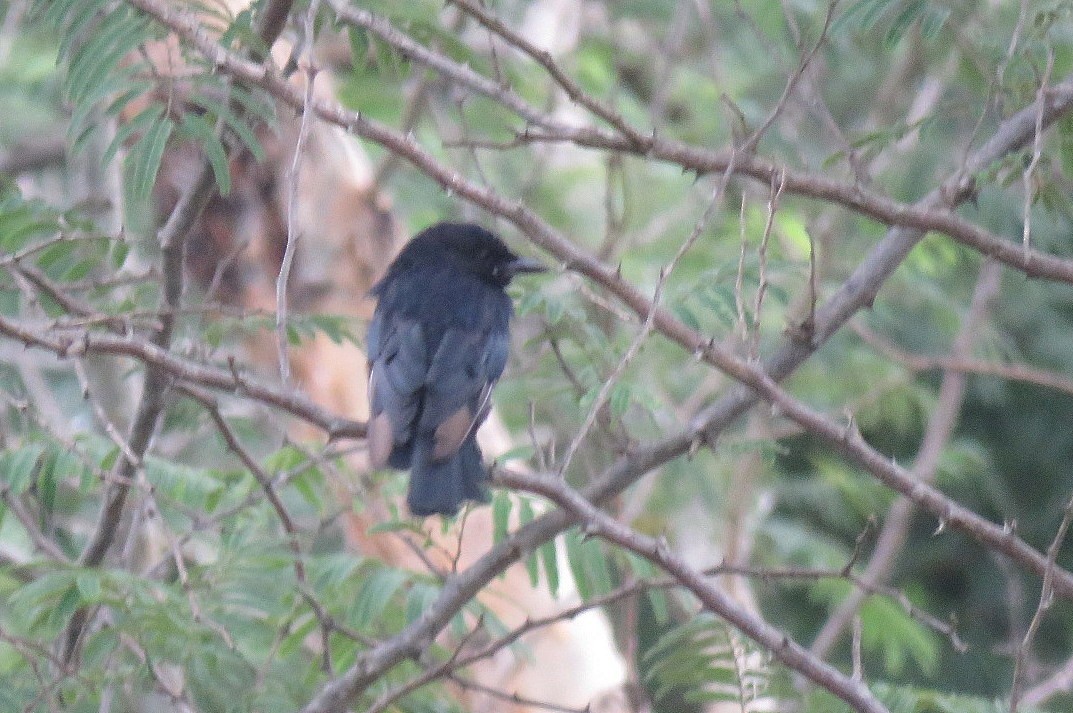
x=80 y=342
x=291 y=247
x=573 y=90
x=930 y=214
x=713 y=598
x=940 y=427
x=1046 y=601
x=965 y=364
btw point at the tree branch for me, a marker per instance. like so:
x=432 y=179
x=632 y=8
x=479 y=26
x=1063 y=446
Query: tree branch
x=83 y=341
x=172 y=238
x=858 y=291
x=895 y=530
x=713 y=598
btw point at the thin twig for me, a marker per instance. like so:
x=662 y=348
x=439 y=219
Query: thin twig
x=283 y=279
x=965 y=365
x=714 y=201
x=1046 y=600
x=1028 y=176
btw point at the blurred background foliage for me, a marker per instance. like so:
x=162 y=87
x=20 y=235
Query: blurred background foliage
x=907 y=88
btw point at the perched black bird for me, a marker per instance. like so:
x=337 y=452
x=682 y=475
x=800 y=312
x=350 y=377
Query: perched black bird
x=437 y=345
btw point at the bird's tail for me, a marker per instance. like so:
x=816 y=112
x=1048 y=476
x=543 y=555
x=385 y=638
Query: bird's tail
x=442 y=486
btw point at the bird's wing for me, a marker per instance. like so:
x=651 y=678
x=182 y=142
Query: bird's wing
x=459 y=384
x=398 y=363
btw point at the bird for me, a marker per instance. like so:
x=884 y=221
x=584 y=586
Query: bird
x=436 y=345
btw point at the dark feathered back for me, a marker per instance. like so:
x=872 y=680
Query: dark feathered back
x=437 y=344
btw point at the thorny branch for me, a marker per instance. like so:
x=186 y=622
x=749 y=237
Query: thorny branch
x=172 y=238
x=940 y=428
x=759 y=381
x=858 y=291
x=712 y=597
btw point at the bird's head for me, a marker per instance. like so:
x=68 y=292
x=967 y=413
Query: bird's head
x=475 y=250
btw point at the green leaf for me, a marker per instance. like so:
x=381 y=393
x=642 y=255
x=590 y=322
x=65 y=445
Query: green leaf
x=140 y=124
x=143 y=160
x=92 y=62
x=501 y=507
x=89 y=586
x=241 y=128
x=931 y=23
x=294 y=335
x=621 y=397
x=309 y=484
x=55 y=254
x=394 y=526
x=703 y=661
x=121 y=88
x=21 y=220
x=46 y=480
x=187 y=485
x=526 y=515
x=69 y=602
x=420 y=599
x=862 y=15
x=286 y=458
x=550 y=557
x=890 y=631
x=70 y=18
x=99 y=644
x=589 y=565
x=20 y=465
x=374 y=595
x=336 y=327
x=119 y=251
x=902 y=21
x=297 y=636
x=657 y=598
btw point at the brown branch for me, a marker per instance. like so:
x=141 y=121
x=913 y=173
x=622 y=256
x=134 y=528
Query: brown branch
x=34 y=155
x=895 y=530
x=272 y=19
x=291 y=242
x=187 y=370
x=172 y=238
x=573 y=90
x=327 y=622
x=753 y=140
x=964 y=364
x=459 y=661
x=26 y=519
x=518 y=700
x=1061 y=681
x=760 y=382
x=154 y=389
x=417 y=52
x=931 y=214
x=1046 y=601
x=712 y=597
x=857 y=291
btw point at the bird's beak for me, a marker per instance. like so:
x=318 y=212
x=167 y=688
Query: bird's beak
x=525 y=264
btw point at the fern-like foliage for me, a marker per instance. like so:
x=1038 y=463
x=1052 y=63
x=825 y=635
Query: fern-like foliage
x=110 y=73
x=705 y=661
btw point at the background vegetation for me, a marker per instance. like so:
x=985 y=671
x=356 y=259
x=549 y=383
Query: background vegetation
x=812 y=260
